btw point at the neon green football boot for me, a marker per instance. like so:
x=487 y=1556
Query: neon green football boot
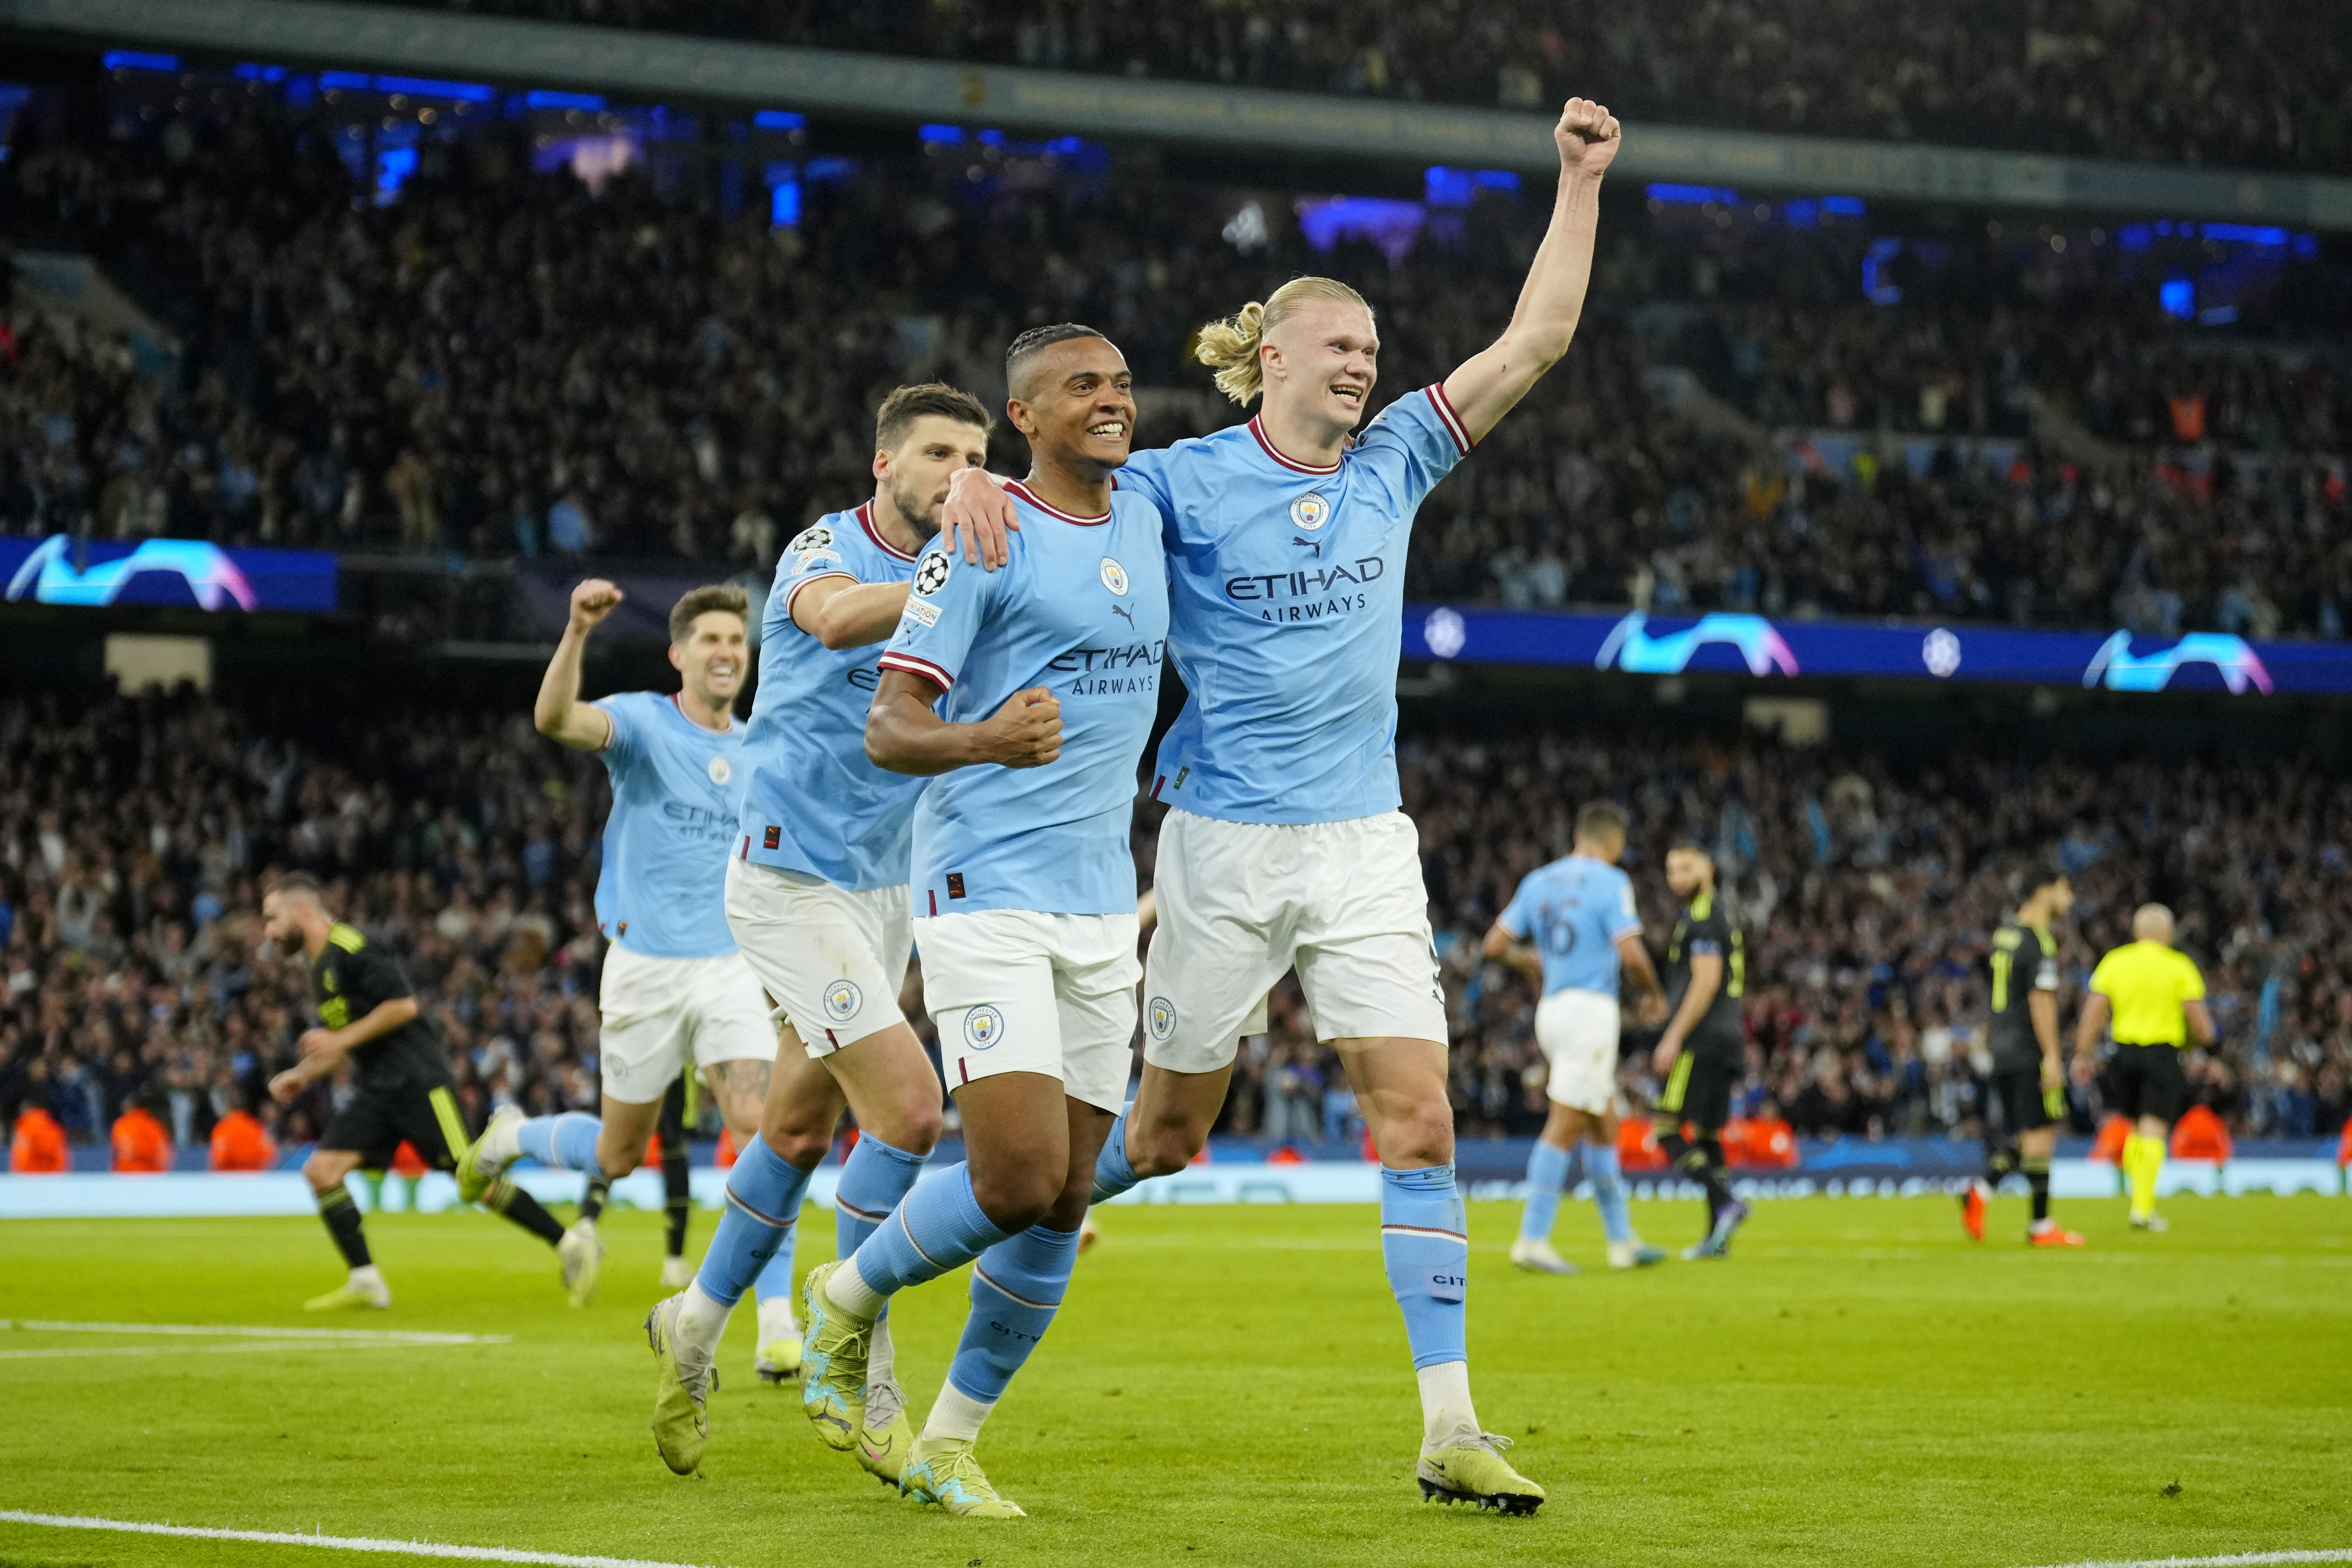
x=350 y=1293
x=834 y=1347
x=475 y=1174
x=1476 y=1472
x=885 y=1435
x=944 y=1471
x=681 y=1392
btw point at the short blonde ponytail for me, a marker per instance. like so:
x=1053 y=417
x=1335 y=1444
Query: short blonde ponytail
x=1231 y=347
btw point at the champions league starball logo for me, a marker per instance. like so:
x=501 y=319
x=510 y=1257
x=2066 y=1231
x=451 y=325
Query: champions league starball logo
x=1631 y=647
x=982 y=1028
x=933 y=574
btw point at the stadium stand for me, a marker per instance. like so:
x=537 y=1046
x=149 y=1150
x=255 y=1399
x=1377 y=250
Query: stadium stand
x=2260 y=85
x=133 y=833
x=502 y=363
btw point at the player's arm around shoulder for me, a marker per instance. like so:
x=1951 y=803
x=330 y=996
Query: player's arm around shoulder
x=558 y=714
x=1490 y=383
x=905 y=732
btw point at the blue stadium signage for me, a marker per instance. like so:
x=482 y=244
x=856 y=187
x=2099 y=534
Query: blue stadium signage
x=1765 y=648
x=62 y=570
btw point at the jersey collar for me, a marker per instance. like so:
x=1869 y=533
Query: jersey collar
x=1265 y=444
x=865 y=521
x=688 y=720
x=1025 y=493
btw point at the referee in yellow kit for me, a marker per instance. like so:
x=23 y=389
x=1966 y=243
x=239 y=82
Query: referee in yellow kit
x=2156 y=999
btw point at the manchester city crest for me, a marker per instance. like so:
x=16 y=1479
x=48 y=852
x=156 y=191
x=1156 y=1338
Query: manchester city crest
x=841 y=1000
x=720 y=770
x=1161 y=1017
x=982 y=1028
x=1310 y=512
x=1114 y=575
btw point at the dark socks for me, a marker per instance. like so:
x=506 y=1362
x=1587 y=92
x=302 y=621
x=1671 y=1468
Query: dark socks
x=342 y=1219
x=1698 y=1159
x=2000 y=1159
x=592 y=1202
x=677 y=1200
x=504 y=1197
x=2037 y=1176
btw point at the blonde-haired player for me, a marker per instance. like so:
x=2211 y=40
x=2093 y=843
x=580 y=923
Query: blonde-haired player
x=1285 y=847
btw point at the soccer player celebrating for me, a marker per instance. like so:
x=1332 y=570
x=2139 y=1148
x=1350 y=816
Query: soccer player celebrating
x=1571 y=927
x=2028 y=1086
x=674 y=990
x=817 y=893
x=1285 y=848
x=2156 y=999
x=1704 y=1050
x=1045 y=677
x=401 y=1090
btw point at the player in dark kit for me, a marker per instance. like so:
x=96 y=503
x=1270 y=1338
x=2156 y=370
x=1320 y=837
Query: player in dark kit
x=2027 y=1097
x=1703 y=1053
x=404 y=1090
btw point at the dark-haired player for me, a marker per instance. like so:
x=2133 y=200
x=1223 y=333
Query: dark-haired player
x=2028 y=1093
x=1703 y=1052
x=816 y=894
x=675 y=995
x=370 y=1017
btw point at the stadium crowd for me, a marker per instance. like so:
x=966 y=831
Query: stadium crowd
x=2260 y=84
x=134 y=833
x=503 y=363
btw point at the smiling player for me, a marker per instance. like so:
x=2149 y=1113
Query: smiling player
x=674 y=990
x=1283 y=846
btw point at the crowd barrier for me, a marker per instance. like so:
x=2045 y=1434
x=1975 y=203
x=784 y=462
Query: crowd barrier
x=1235 y=1173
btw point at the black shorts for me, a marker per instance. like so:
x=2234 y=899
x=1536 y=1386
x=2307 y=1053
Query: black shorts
x=1698 y=1091
x=375 y=1122
x=2023 y=1105
x=2147 y=1080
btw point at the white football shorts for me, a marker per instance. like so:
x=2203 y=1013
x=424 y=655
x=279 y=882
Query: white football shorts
x=661 y=1013
x=1242 y=902
x=1577 y=1033
x=1013 y=991
x=831 y=959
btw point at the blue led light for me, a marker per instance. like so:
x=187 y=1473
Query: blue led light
x=1802 y=213
x=2178 y=296
x=779 y=120
x=252 y=72
x=2247 y=233
x=2133 y=237
x=1693 y=195
x=139 y=60
x=1445 y=187
x=544 y=99
x=948 y=133
x=1843 y=206
x=427 y=87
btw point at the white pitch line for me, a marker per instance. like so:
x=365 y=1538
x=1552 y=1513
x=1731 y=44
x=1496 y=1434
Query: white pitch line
x=330 y=1542
x=2245 y=1559
x=394 y=1336
x=246 y=1347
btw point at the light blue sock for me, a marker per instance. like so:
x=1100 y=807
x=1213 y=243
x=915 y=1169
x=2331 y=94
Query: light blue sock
x=764 y=1201
x=873 y=1180
x=936 y=1227
x=1114 y=1172
x=567 y=1142
x=1426 y=1245
x=1608 y=1191
x=776 y=1275
x=1546 y=1179
x=1016 y=1288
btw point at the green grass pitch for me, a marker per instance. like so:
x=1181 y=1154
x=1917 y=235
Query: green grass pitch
x=1229 y=1386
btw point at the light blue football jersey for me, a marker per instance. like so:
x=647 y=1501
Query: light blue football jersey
x=1080 y=608
x=1574 y=910
x=1287 y=612
x=814 y=804
x=676 y=791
